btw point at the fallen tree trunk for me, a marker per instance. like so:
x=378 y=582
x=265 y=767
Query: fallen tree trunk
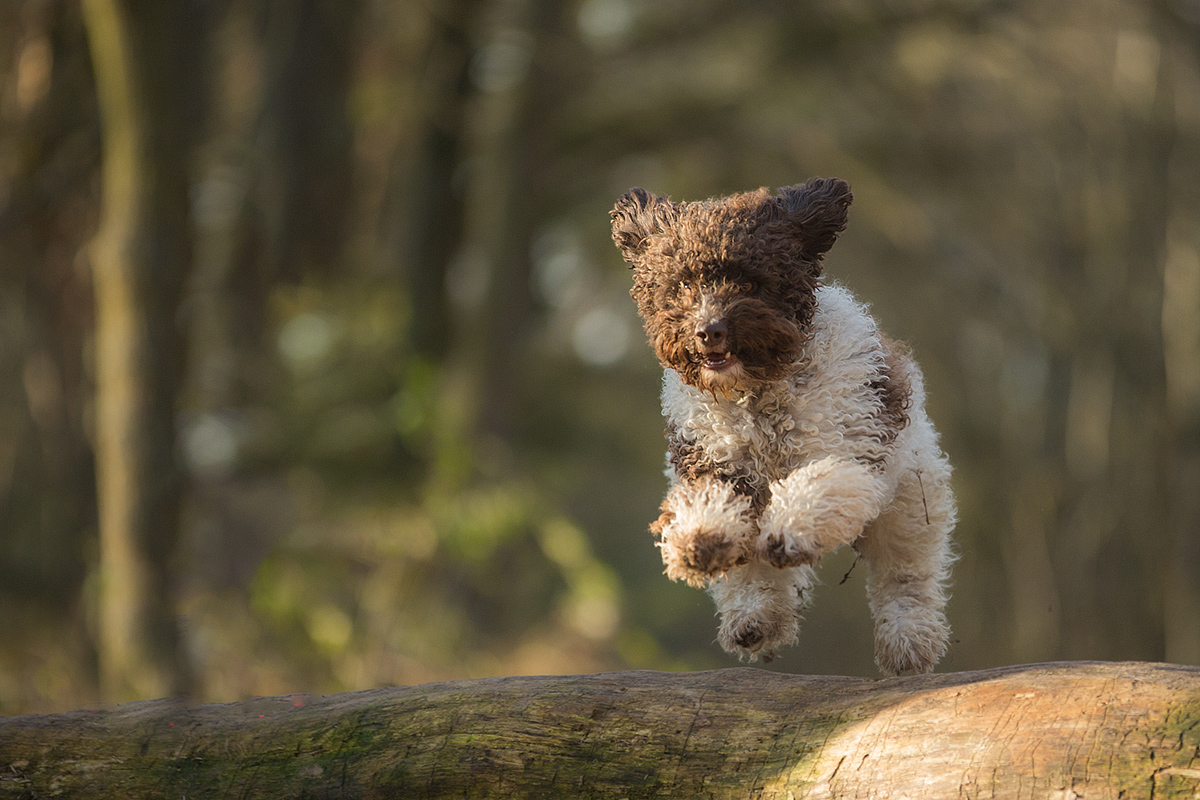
x=1066 y=730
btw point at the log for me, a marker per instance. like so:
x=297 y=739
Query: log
x=1062 y=730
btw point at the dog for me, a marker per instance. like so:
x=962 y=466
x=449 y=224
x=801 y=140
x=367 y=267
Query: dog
x=794 y=425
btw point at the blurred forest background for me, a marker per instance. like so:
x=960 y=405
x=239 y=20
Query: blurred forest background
x=318 y=370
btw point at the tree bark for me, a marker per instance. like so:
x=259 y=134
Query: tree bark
x=1063 y=730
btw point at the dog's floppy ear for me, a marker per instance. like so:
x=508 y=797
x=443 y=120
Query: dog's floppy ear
x=637 y=216
x=817 y=211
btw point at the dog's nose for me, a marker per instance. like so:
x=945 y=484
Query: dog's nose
x=712 y=334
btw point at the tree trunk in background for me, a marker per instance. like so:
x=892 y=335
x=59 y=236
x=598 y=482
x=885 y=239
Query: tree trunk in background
x=146 y=59
x=1066 y=730
x=47 y=484
x=1181 y=348
x=1108 y=436
x=490 y=279
x=278 y=190
x=425 y=226
x=304 y=138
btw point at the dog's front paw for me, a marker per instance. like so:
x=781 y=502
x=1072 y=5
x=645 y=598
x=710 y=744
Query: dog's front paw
x=757 y=635
x=745 y=636
x=781 y=549
x=706 y=529
x=698 y=555
x=760 y=610
x=815 y=510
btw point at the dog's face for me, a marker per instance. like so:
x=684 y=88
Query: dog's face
x=725 y=287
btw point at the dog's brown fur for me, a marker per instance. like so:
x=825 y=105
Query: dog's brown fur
x=760 y=257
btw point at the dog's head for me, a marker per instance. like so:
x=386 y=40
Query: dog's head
x=726 y=287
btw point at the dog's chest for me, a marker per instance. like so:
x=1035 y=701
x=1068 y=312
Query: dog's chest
x=770 y=434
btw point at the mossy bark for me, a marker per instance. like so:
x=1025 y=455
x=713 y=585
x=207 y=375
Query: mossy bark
x=1066 y=730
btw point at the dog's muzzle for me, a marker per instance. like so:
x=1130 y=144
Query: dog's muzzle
x=712 y=345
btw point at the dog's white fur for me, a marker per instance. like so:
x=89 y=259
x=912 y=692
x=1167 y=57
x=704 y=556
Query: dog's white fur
x=835 y=478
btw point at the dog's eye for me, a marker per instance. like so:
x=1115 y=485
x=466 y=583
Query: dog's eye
x=746 y=286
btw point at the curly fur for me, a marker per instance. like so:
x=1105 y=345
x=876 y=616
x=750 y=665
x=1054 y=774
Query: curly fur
x=705 y=531
x=794 y=426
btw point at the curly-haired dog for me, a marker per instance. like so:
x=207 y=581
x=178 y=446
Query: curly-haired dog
x=794 y=425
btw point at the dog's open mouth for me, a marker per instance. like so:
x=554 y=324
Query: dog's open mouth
x=718 y=361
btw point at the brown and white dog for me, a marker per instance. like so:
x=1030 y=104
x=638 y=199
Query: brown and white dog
x=794 y=425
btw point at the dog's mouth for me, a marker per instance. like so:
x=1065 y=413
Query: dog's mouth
x=718 y=360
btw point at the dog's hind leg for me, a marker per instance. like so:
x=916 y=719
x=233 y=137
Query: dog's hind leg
x=908 y=555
